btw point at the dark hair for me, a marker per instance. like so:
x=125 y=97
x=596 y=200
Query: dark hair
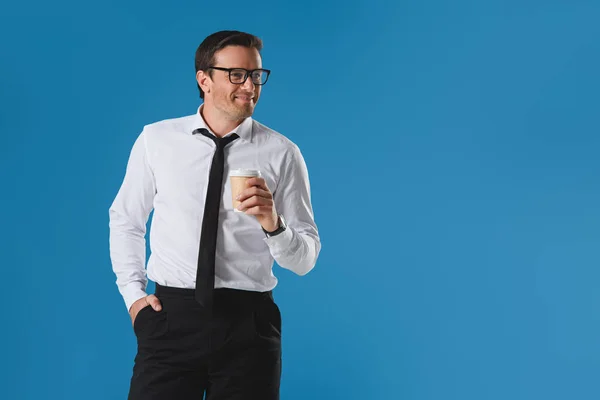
x=205 y=54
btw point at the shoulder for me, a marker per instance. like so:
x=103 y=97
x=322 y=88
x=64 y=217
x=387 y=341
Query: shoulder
x=269 y=137
x=168 y=127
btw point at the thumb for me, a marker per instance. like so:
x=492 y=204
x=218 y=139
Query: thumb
x=154 y=302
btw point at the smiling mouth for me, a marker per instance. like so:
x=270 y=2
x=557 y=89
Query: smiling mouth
x=245 y=98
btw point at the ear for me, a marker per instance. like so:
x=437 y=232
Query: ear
x=204 y=81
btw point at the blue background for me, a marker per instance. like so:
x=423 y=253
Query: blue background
x=453 y=155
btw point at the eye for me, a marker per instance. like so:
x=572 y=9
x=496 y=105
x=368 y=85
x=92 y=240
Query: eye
x=257 y=75
x=237 y=75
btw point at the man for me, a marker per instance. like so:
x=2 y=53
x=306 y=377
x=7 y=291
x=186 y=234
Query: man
x=212 y=326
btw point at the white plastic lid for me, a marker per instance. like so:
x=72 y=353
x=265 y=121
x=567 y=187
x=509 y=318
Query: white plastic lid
x=244 y=172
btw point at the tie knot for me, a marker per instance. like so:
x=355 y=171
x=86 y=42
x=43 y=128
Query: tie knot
x=220 y=142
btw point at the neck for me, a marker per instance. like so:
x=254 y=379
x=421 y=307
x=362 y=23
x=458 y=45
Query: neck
x=218 y=123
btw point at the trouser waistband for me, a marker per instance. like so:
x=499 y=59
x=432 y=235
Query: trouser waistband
x=229 y=293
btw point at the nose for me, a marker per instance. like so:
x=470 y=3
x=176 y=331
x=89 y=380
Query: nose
x=248 y=85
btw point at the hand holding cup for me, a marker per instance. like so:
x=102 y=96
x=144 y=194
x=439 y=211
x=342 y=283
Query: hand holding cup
x=251 y=195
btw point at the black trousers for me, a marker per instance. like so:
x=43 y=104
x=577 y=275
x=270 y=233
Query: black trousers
x=184 y=353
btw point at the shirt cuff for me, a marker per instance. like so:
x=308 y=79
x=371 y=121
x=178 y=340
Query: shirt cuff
x=280 y=243
x=132 y=293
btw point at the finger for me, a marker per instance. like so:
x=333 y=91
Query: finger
x=257 y=181
x=255 y=201
x=259 y=210
x=254 y=191
x=154 y=302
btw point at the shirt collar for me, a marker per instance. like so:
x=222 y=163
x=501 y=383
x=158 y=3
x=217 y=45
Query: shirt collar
x=243 y=130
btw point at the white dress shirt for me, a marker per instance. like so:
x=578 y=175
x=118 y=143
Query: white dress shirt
x=168 y=171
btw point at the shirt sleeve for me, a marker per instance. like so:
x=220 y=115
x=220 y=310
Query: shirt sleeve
x=128 y=216
x=297 y=248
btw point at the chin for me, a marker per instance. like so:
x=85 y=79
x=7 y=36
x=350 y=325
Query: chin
x=246 y=110
x=241 y=114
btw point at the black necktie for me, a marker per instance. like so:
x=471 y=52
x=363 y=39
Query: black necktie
x=205 y=275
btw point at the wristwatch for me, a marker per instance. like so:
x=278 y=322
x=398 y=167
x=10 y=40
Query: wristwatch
x=282 y=227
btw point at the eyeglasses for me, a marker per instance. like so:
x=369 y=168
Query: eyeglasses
x=239 y=75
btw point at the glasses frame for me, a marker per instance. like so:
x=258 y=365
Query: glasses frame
x=249 y=72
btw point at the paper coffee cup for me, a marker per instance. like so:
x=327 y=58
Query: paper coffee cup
x=237 y=179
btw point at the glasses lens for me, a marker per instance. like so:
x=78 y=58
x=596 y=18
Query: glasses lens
x=259 y=77
x=237 y=75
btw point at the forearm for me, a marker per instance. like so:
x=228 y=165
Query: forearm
x=128 y=256
x=295 y=251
